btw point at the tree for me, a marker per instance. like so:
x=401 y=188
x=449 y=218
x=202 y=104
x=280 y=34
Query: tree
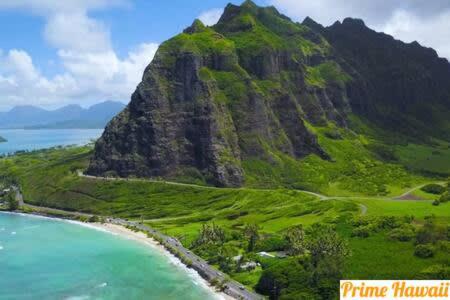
x=11 y=201
x=295 y=237
x=210 y=234
x=251 y=231
x=328 y=252
x=285 y=276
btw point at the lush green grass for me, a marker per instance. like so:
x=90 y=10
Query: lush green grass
x=377 y=257
x=326 y=73
x=426 y=158
x=353 y=171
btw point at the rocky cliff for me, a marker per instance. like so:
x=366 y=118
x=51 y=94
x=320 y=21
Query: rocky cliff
x=253 y=85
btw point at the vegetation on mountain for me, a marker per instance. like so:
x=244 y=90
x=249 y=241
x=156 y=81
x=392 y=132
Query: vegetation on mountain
x=259 y=100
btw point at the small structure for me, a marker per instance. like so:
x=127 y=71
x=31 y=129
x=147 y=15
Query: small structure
x=251 y=265
x=237 y=258
x=4 y=192
x=265 y=254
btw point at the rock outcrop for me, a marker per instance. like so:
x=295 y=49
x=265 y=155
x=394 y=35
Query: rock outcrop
x=251 y=85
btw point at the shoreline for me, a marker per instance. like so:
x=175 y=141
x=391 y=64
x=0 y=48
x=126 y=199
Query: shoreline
x=149 y=242
x=139 y=237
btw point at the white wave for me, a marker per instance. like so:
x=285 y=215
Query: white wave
x=83 y=297
x=90 y=226
x=1 y=248
x=102 y=285
x=31 y=227
x=13 y=233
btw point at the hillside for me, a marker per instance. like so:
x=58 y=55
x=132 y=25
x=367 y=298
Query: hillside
x=67 y=117
x=2 y=139
x=257 y=98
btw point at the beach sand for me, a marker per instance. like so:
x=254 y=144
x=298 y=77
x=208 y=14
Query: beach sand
x=144 y=239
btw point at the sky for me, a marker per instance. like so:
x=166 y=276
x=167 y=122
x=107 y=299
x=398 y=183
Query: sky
x=54 y=53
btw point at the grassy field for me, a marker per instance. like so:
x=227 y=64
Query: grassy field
x=49 y=178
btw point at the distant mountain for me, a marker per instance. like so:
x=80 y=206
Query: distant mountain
x=71 y=116
x=2 y=139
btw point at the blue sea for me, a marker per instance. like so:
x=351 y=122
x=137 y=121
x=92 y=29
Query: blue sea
x=19 y=139
x=43 y=258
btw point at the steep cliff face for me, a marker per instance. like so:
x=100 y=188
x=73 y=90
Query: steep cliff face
x=250 y=87
x=396 y=85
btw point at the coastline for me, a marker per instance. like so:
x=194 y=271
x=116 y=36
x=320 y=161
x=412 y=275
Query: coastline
x=139 y=237
x=142 y=238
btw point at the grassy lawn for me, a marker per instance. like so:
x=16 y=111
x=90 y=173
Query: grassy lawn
x=417 y=208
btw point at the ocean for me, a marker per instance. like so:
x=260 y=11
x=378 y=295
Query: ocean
x=19 y=139
x=42 y=258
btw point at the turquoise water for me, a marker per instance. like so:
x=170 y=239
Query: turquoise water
x=19 y=139
x=43 y=258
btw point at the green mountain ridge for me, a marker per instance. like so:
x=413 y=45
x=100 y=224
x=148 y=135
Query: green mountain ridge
x=250 y=99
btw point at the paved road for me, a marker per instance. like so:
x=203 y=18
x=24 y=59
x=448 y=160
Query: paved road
x=408 y=194
x=231 y=287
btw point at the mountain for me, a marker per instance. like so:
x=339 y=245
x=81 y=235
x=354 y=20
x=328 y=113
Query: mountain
x=257 y=86
x=71 y=116
x=2 y=139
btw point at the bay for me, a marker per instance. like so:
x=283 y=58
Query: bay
x=42 y=258
x=28 y=140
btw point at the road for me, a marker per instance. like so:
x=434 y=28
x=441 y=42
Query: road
x=408 y=194
x=230 y=287
x=404 y=196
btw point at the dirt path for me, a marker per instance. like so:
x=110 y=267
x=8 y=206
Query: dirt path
x=408 y=195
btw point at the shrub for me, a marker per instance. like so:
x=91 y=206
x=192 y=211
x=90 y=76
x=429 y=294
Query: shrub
x=362 y=232
x=383 y=152
x=403 y=234
x=424 y=251
x=333 y=134
x=435 y=272
x=431 y=233
x=272 y=243
x=389 y=222
x=436 y=202
x=433 y=189
x=445 y=197
x=94 y=219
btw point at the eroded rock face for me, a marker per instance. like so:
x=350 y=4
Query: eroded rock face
x=214 y=97
x=172 y=123
x=399 y=86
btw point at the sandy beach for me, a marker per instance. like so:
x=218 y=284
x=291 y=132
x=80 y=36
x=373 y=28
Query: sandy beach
x=154 y=245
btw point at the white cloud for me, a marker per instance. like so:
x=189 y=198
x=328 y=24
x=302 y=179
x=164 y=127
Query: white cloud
x=430 y=32
x=76 y=31
x=423 y=21
x=211 y=17
x=92 y=71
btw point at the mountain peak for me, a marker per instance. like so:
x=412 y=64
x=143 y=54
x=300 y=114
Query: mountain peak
x=309 y=22
x=249 y=4
x=353 y=22
x=196 y=27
